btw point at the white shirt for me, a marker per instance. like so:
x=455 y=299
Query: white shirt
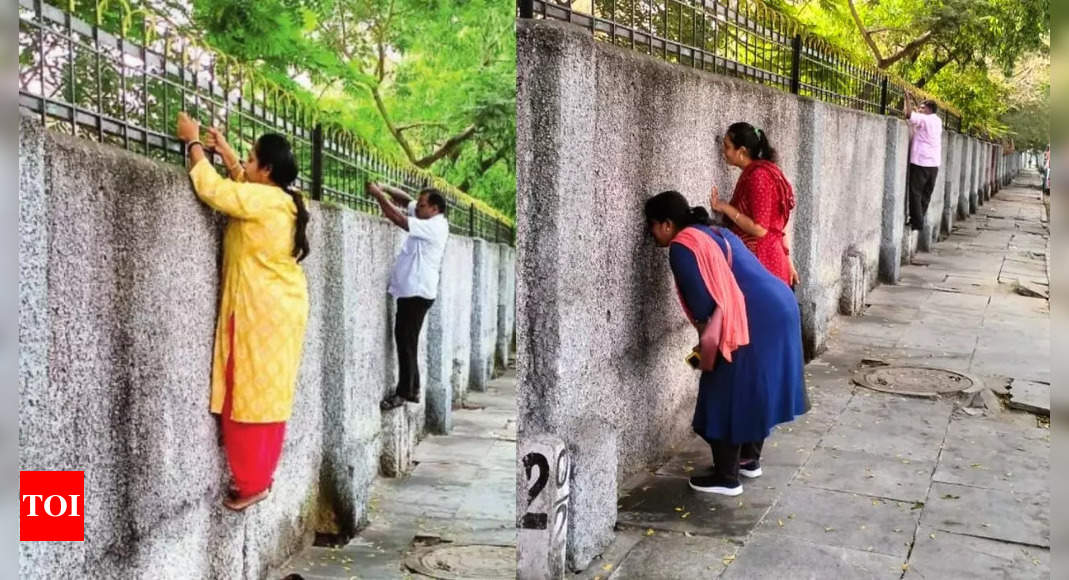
x=416 y=271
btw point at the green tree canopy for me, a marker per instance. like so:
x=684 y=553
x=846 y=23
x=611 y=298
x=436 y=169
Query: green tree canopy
x=429 y=81
x=963 y=51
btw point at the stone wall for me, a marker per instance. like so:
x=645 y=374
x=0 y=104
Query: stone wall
x=601 y=334
x=119 y=287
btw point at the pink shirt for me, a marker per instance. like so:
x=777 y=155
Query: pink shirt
x=927 y=148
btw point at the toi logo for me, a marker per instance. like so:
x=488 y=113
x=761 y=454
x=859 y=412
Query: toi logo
x=51 y=506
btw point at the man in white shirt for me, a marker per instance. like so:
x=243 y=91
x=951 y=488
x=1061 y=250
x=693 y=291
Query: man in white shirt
x=414 y=281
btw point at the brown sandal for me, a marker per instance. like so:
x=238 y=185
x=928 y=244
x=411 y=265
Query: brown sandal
x=240 y=504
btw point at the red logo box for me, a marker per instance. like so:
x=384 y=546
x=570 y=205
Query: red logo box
x=51 y=506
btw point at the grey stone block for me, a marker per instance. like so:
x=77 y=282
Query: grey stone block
x=399 y=439
x=593 y=492
x=483 y=314
x=506 y=306
x=854 y=284
x=893 y=213
x=542 y=498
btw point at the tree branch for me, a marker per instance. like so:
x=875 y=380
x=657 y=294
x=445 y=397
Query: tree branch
x=448 y=147
x=402 y=128
x=908 y=50
x=398 y=135
x=864 y=32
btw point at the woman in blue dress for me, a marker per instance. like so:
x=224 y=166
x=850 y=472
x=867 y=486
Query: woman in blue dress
x=740 y=400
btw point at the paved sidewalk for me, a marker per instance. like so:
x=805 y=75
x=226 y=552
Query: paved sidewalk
x=462 y=491
x=875 y=485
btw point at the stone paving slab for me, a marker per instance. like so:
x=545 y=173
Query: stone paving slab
x=999 y=515
x=1030 y=396
x=766 y=557
x=622 y=545
x=926 y=335
x=995 y=455
x=868 y=474
x=846 y=520
x=668 y=504
x=674 y=557
x=890 y=425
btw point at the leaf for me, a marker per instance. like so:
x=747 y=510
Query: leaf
x=607 y=567
x=951 y=496
x=685 y=516
x=780 y=522
x=649 y=532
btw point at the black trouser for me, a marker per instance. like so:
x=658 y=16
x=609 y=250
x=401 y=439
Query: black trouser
x=410 y=314
x=727 y=456
x=921 y=186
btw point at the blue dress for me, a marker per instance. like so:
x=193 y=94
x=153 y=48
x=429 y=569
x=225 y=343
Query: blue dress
x=763 y=386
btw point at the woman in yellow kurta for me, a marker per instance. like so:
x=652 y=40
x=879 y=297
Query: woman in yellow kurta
x=264 y=307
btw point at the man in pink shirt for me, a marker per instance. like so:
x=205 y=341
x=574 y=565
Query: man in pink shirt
x=926 y=131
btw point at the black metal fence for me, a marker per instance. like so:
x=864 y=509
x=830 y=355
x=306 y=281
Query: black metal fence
x=742 y=38
x=125 y=86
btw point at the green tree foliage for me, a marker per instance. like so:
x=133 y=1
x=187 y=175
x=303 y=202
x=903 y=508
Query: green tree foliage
x=432 y=82
x=959 y=50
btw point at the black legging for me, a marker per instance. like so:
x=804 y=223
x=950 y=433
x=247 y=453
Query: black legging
x=726 y=456
x=410 y=314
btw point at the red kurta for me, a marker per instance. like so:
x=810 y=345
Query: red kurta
x=765 y=196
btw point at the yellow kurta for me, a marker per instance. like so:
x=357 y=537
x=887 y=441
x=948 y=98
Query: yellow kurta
x=265 y=289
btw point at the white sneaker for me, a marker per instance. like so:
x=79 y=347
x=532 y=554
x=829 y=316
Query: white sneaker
x=710 y=484
x=755 y=470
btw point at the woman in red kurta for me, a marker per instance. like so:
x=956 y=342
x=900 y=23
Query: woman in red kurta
x=762 y=202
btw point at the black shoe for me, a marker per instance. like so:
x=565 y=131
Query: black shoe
x=714 y=484
x=391 y=402
x=751 y=468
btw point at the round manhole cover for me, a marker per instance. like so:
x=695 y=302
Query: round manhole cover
x=465 y=562
x=913 y=381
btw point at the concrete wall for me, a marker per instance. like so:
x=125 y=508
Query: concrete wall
x=600 y=333
x=964 y=176
x=952 y=183
x=119 y=291
x=895 y=162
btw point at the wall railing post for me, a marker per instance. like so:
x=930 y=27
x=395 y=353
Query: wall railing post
x=796 y=64
x=526 y=8
x=317 y=162
x=883 y=96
